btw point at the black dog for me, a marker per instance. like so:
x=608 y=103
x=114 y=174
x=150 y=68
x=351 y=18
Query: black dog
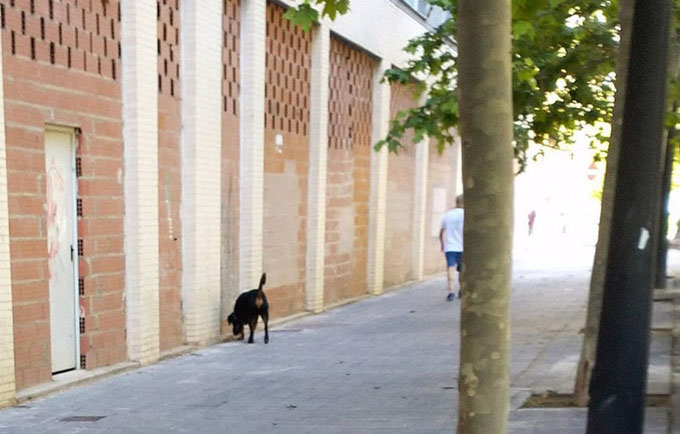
x=248 y=307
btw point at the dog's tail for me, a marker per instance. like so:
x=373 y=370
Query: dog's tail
x=263 y=280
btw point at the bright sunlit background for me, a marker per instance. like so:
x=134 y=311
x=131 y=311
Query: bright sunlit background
x=564 y=189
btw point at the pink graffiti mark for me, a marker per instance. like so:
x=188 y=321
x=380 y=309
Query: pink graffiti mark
x=54 y=186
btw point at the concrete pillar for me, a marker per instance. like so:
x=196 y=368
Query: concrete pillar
x=458 y=162
x=140 y=135
x=420 y=208
x=7 y=383
x=251 y=194
x=318 y=151
x=376 y=218
x=201 y=167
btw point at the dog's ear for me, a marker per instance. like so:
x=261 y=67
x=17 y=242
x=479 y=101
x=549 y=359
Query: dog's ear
x=230 y=319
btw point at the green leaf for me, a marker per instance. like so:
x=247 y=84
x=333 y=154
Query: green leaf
x=522 y=28
x=450 y=106
x=333 y=7
x=304 y=16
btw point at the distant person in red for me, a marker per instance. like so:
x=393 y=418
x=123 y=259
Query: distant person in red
x=532 y=218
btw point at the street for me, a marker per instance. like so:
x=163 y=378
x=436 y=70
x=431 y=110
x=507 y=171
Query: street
x=383 y=364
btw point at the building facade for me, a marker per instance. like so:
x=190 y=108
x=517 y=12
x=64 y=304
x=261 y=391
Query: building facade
x=157 y=156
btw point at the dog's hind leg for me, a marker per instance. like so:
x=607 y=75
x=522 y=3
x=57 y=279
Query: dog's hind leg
x=253 y=325
x=265 y=319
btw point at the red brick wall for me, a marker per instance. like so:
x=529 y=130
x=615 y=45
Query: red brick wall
x=287 y=92
x=400 y=199
x=169 y=176
x=61 y=63
x=231 y=21
x=441 y=174
x=349 y=158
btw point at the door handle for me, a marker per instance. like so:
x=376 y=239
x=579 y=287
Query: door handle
x=71 y=252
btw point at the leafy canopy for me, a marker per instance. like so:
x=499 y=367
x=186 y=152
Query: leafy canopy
x=563 y=71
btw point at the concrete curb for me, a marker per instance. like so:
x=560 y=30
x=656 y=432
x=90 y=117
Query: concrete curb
x=72 y=379
x=666 y=294
x=674 y=412
x=518 y=397
x=177 y=352
x=672 y=294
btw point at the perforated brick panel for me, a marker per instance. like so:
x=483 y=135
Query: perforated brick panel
x=286 y=161
x=402 y=99
x=231 y=22
x=349 y=103
x=400 y=197
x=288 y=66
x=348 y=190
x=168 y=47
x=79 y=34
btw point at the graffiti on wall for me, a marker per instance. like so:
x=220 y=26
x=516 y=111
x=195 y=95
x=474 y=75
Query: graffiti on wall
x=56 y=217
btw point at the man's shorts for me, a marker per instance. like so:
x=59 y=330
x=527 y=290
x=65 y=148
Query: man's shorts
x=454 y=259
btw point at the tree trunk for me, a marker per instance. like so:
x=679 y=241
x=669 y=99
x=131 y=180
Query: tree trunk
x=587 y=359
x=620 y=374
x=619 y=377
x=662 y=243
x=671 y=137
x=485 y=98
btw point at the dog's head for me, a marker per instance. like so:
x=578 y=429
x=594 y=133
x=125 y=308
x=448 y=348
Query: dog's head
x=236 y=325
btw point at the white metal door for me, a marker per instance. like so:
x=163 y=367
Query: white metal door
x=61 y=217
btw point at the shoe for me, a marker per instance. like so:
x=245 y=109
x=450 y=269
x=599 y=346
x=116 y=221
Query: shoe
x=451 y=297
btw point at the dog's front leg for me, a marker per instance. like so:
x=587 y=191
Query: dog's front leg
x=253 y=325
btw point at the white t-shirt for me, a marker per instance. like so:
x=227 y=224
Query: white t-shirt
x=452 y=223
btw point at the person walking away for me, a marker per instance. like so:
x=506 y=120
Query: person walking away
x=451 y=240
x=532 y=218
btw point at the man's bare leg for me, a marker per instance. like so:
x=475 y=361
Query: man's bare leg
x=460 y=284
x=450 y=275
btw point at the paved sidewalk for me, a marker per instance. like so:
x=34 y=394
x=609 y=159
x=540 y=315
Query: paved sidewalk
x=382 y=365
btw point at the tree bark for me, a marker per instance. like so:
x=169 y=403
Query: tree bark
x=587 y=359
x=485 y=97
x=671 y=137
x=662 y=243
x=620 y=374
